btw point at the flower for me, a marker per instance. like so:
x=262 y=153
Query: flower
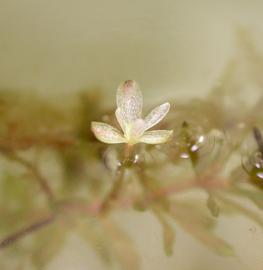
x=128 y=113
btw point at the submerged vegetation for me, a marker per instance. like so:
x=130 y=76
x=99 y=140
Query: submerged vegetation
x=57 y=178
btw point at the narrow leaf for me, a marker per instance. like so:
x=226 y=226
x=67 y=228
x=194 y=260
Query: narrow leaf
x=200 y=232
x=212 y=205
x=168 y=232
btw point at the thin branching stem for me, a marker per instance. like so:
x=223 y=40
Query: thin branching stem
x=14 y=237
x=43 y=183
x=113 y=193
x=99 y=208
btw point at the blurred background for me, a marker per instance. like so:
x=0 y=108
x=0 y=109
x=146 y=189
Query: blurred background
x=174 y=49
x=177 y=47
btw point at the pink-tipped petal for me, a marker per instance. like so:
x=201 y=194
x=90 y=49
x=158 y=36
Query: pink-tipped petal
x=156 y=136
x=156 y=115
x=129 y=100
x=106 y=133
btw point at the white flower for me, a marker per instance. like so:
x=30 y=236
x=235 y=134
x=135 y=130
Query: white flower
x=128 y=114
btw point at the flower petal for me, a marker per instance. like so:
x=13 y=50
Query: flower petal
x=138 y=128
x=156 y=136
x=120 y=119
x=129 y=100
x=156 y=115
x=106 y=133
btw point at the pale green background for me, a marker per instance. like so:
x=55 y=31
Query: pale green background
x=172 y=48
x=178 y=47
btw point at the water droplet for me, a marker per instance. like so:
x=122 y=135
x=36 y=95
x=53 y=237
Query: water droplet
x=111 y=159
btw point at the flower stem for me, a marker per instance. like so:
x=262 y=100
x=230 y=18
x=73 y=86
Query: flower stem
x=128 y=151
x=114 y=192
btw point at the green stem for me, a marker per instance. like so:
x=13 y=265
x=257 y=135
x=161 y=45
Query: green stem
x=115 y=190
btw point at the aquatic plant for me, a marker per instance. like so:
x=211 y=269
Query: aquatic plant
x=57 y=178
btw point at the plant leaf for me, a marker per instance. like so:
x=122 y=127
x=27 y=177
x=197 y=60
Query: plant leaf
x=110 y=242
x=212 y=205
x=91 y=232
x=47 y=244
x=168 y=232
x=199 y=231
x=121 y=246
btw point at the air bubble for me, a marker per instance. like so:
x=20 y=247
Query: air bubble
x=191 y=140
x=253 y=165
x=111 y=159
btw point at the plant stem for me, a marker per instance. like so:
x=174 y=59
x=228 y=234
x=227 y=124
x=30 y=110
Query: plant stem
x=113 y=194
x=128 y=150
x=26 y=231
x=40 y=179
